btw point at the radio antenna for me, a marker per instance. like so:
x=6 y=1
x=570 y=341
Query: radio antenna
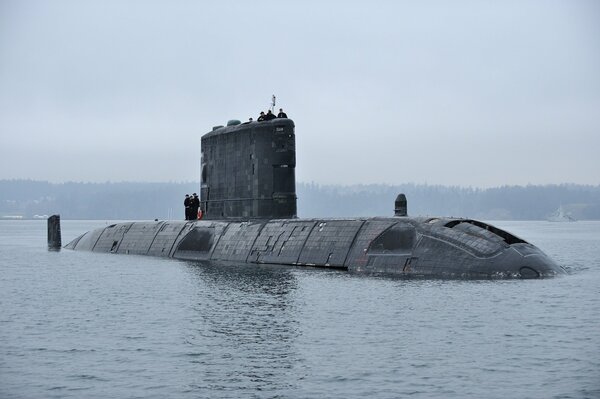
x=273 y=103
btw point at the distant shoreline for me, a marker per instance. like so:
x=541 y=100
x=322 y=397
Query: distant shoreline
x=24 y=199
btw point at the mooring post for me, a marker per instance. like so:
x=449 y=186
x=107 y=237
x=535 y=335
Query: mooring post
x=54 y=239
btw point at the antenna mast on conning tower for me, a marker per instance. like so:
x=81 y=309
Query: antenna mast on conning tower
x=273 y=98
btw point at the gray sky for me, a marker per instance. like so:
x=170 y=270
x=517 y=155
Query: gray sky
x=470 y=93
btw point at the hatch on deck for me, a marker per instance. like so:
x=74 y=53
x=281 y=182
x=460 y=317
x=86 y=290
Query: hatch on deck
x=506 y=236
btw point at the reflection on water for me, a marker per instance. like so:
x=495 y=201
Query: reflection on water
x=242 y=330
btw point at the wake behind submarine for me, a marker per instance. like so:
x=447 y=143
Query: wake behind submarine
x=248 y=201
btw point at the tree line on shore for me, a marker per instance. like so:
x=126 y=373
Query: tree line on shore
x=146 y=201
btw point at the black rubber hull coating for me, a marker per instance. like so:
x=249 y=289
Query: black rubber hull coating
x=405 y=246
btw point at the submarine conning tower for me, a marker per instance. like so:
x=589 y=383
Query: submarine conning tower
x=248 y=170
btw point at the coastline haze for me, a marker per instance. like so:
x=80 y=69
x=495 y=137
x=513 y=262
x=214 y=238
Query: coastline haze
x=464 y=94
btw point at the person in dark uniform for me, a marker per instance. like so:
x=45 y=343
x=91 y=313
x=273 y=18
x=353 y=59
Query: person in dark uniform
x=187 y=203
x=195 y=204
x=281 y=114
x=269 y=115
x=261 y=117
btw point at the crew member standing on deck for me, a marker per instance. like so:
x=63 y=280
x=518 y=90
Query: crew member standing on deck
x=187 y=203
x=281 y=114
x=269 y=115
x=195 y=204
x=261 y=116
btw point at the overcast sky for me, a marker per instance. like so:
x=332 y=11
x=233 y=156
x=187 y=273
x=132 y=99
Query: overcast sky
x=470 y=93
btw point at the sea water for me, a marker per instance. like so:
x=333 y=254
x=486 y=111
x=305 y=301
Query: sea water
x=89 y=325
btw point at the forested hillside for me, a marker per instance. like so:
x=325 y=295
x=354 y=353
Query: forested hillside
x=143 y=201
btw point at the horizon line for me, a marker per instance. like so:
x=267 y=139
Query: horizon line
x=312 y=183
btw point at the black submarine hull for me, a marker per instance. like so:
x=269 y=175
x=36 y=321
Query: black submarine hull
x=248 y=200
x=401 y=246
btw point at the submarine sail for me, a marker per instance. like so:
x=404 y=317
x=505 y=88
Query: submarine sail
x=248 y=171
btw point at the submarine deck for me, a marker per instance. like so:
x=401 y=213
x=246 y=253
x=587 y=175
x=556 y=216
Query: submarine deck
x=397 y=245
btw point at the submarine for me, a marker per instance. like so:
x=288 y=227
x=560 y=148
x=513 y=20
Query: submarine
x=249 y=215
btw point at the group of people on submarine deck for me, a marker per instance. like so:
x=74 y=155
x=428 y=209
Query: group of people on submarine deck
x=269 y=115
x=192 y=204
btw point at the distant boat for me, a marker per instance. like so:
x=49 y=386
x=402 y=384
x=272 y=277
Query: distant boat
x=560 y=216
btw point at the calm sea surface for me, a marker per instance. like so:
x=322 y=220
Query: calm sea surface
x=85 y=325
